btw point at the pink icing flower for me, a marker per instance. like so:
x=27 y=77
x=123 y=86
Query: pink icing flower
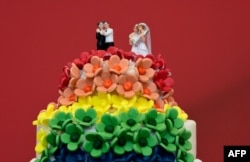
x=117 y=65
x=128 y=85
x=67 y=97
x=106 y=82
x=143 y=68
x=94 y=67
x=149 y=90
x=75 y=75
x=85 y=87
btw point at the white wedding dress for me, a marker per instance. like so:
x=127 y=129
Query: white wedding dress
x=139 y=46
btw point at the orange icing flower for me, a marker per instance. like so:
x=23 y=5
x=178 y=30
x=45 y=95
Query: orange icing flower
x=94 y=67
x=128 y=85
x=75 y=75
x=149 y=90
x=67 y=97
x=106 y=82
x=143 y=67
x=117 y=65
x=85 y=87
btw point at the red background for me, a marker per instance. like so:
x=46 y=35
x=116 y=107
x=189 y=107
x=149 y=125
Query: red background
x=206 y=44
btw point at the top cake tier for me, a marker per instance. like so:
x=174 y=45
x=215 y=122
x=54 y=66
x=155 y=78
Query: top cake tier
x=117 y=72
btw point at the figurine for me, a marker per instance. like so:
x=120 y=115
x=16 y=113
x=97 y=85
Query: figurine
x=100 y=44
x=109 y=35
x=140 y=39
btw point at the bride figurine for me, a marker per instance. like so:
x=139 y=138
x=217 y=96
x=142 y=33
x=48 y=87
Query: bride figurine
x=140 y=39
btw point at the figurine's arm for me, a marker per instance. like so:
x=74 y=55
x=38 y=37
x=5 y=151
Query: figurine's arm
x=108 y=32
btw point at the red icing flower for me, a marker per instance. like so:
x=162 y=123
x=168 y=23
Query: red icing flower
x=162 y=80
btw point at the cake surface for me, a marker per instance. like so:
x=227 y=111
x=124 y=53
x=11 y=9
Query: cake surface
x=115 y=106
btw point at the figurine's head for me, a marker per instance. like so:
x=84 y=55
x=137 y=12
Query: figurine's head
x=105 y=24
x=141 y=27
x=100 y=25
x=135 y=29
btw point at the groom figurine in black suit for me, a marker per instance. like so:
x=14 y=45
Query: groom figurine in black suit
x=109 y=35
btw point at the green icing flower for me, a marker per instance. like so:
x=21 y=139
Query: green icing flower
x=184 y=156
x=85 y=118
x=108 y=127
x=122 y=142
x=44 y=157
x=183 y=145
x=53 y=140
x=144 y=141
x=131 y=120
x=59 y=120
x=95 y=145
x=172 y=121
x=166 y=140
x=155 y=120
x=182 y=141
x=73 y=136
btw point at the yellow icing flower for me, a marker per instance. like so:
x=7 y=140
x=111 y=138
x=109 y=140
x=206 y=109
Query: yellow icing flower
x=66 y=109
x=45 y=115
x=143 y=104
x=41 y=141
x=121 y=104
x=101 y=103
x=83 y=102
x=181 y=114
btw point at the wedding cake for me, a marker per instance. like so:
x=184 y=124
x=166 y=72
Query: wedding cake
x=115 y=106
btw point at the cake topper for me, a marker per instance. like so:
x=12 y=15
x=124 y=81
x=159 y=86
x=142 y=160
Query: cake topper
x=100 y=44
x=108 y=33
x=140 y=39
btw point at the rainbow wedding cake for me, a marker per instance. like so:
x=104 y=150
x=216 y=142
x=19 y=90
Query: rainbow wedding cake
x=115 y=106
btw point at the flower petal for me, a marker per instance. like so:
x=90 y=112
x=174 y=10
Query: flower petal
x=98 y=81
x=146 y=151
x=72 y=146
x=96 y=153
x=146 y=63
x=150 y=72
x=74 y=71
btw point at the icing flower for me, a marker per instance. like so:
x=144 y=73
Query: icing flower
x=159 y=63
x=95 y=145
x=106 y=82
x=41 y=141
x=67 y=97
x=53 y=140
x=183 y=145
x=172 y=121
x=122 y=142
x=73 y=136
x=149 y=90
x=85 y=118
x=181 y=114
x=128 y=85
x=59 y=120
x=131 y=120
x=75 y=75
x=122 y=104
x=65 y=109
x=101 y=103
x=155 y=120
x=143 y=105
x=83 y=102
x=166 y=141
x=143 y=67
x=108 y=127
x=184 y=156
x=94 y=67
x=45 y=115
x=85 y=87
x=117 y=65
x=144 y=142
x=159 y=105
x=163 y=81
